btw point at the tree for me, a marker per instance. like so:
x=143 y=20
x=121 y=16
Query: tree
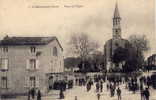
x=96 y=59
x=81 y=45
x=71 y=62
x=120 y=57
x=141 y=45
x=120 y=54
x=139 y=42
x=127 y=57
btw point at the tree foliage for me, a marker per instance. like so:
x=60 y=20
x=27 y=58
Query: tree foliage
x=71 y=62
x=120 y=54
x=139 y=42
x=132 y=54
x=82 y=46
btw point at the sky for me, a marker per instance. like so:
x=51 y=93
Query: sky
x=62 y=18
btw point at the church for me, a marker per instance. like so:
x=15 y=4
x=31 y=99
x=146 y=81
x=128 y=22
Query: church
x=116 y=41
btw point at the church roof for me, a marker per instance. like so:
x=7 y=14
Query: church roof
x=116 y=12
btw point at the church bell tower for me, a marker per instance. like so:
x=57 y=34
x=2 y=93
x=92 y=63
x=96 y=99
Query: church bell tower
x=116 y=23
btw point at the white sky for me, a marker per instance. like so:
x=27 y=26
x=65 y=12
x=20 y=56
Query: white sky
x=17 y=18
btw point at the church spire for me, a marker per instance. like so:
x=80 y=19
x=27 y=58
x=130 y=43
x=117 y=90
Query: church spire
x=116 y=12
x=116 y=23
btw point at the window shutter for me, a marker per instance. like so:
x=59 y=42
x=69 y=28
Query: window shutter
x=37 y=81
x=6 y=64
x=1 y=64
x=28 y=64
x=7 y=83
x=37 y=64
x=26 y=82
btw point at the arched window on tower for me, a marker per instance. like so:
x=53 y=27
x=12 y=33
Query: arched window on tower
x=55 y=52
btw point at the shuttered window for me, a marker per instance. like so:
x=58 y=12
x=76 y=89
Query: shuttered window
x=32 y=82
x=4 y=64
x=26 y=82
x=37 y=82
x=33 y=49
x=4 y=82
x=32 y=64
x=5 y=49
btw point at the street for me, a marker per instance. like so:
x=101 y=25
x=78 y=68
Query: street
x=82 y=94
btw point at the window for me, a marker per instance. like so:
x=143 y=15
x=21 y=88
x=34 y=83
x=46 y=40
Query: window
x=32 y=81
x=33 y=49
x=3 y=63
x=55 y=51
x=4 y=82
x=5 y=49
x=32 y=63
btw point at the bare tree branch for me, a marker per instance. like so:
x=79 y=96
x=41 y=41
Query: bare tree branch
x=82 y=45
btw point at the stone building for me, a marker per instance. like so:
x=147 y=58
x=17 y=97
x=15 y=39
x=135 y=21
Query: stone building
x=27 y=62
x=116 y=41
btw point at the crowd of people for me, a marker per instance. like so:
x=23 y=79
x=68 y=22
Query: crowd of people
x=113 y=86
x=133 y=84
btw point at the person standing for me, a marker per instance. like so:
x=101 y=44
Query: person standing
x=101 y=86
x=98 y=96
x=111 y=89
x=39 y=95
x=119 y=93
x=107 y=86
x=142 y=94
x=141 y=86
x=146 y=94
x=75 y=97
x=33 y=93
x=61 y=94
x=29 y=95
x=97 y=87
x=88 y=86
